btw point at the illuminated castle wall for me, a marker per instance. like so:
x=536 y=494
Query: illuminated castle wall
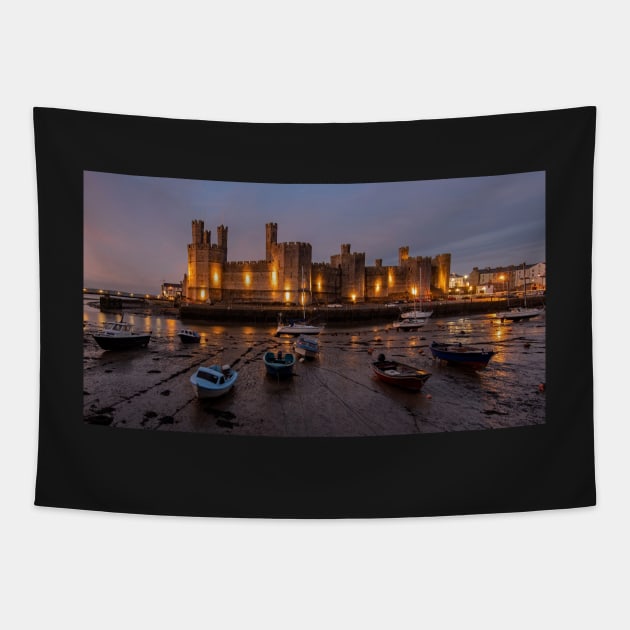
x=288 y=273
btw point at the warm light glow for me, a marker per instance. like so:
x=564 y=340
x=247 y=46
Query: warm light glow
x=274 y=278
x=287 y=296
x=247 y=279
x=413 y=290
x=216 y=278
x=378 y=287
x=202 y=294
x=354 y=297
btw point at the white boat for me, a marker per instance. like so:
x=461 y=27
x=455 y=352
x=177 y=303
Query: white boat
x=409 y=324
x=213 y=381
x=418 y=313
x=519 y=314
x=121 y=336
x=295 y=327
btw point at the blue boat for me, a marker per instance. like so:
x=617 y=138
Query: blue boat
x=213 y=381
x=464 y=356
x=279 y=364
x=307 y=347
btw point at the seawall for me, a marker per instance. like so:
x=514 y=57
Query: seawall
x=348 y=314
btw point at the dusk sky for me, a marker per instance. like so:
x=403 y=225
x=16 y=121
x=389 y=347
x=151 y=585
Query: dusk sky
x=136 y=229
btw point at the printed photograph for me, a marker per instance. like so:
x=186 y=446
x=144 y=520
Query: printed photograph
x=314 y=310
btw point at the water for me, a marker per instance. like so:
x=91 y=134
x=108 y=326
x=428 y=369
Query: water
x=335 y=395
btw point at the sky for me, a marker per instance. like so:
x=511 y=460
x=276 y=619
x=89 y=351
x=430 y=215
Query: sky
x=136 y=229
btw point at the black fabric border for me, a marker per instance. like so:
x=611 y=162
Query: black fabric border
x=529 y=468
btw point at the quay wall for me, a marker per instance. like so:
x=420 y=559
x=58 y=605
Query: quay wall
x=253 y=314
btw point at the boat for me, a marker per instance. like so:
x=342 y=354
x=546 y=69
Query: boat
x=297 y=327
x=279 y=364
x=519 y=314
x=461 y=355
x=307 y=347
x=213 y=381
x=189 y=336
x=400 y=374
x=121 y=336
x=409 y=324
x=417 y=313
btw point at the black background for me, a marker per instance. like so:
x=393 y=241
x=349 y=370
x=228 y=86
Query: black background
x=529 y=468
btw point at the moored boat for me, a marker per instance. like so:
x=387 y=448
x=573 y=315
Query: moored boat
x=121 y=336
x=410 y=324
x=279 y=364
x=307 y=347
x=459 y=354
x=518 y=314
x=400 y=374
x=189 y=336
x=213 y=381
x=297 y=328
x=415 y=314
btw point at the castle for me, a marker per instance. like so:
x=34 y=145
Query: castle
x=289 y=275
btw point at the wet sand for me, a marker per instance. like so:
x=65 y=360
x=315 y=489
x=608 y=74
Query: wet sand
x=336 y=395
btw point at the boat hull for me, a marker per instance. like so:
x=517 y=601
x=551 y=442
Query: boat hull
x=409 y=324
x=400 y=375
x=224 y=381
x=122 y=343
x=462 y=356
x=276 y=367
x=518 y=315
x=307 y=348
x=189 y=339
x=204 y=393
x=417 y=315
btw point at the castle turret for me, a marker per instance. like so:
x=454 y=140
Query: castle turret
x=222 y=237
x=441 y=265
x=197 y=231
x=271 y=233
x=403 y=255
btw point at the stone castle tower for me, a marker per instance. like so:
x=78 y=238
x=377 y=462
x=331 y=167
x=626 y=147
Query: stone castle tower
x=271 y=239
x=203 y=280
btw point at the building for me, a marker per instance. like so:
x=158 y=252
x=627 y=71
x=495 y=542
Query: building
x=171 y=290
x=510 y=278
x=288 y=274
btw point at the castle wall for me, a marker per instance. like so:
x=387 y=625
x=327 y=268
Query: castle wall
x=289 y=275
x=352 y=269
x=326 y=283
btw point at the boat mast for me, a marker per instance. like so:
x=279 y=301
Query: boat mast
x=524 y=288
x=303 y=301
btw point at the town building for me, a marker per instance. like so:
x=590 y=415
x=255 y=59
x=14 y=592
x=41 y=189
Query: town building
x=289 y=275
x=171 y=290
x=509 y=278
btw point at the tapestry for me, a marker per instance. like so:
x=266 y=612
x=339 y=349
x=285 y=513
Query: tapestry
x=348 y=320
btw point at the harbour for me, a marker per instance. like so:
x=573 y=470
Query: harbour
x=335 y=395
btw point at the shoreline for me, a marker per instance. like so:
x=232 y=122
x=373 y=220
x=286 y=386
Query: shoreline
x=349 y=314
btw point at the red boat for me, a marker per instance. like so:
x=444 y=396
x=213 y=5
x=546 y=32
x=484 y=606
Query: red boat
x=400 y=374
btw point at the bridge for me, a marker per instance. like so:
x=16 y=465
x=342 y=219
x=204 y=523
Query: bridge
x=122 y=294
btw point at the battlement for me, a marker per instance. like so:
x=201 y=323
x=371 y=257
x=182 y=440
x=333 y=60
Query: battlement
x=248 y=265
